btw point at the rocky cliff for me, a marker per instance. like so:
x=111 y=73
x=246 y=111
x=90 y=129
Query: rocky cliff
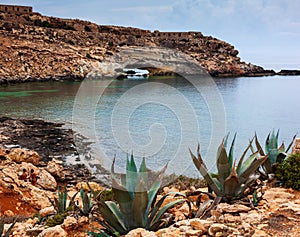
x=34 y=47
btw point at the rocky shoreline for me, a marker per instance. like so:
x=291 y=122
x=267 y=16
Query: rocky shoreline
x=34 y=47
x=49 y=140
x=276 y=213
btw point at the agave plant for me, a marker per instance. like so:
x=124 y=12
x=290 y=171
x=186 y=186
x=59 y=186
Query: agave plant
x=136 y=202
x=276 y=154
x=87 y=204
x=60 y=202
x=232 y=180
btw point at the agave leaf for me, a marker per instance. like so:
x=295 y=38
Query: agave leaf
x=86 y=204
x=277 y=136
x=131 y=177
x=151 y=196
x=157 y=206
x=243 y=187
x=244 y=176
x=247 y=163
x=274 y=140
x=203 y=207
x=110 y=211
x=273 y=153
x=132 y=165
x=267 y=145
x=267 y=167
x=124 y=199
x=290 y=145
x=163 y=210
x=139 y=204
x=243 y=156
x=226 y=139
x=204 y=172
x=258 y=146
x=230 y=156
x=197 y=162
x=217 y=182
x=231 y=183
x=143 y=173
x=223 y=164
x=281 y=148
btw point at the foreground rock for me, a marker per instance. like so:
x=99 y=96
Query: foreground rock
x=277 y=215
x=52 y=48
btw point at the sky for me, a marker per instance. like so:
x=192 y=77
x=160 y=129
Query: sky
x=266 y=32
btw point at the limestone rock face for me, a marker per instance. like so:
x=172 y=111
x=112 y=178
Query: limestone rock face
x=56 y=231
x=9 y=176
x=69 y=223
x=234 y=208
x=20 y=155
x=47 y=211
x=52 y=48
x=140 y=232
x=46 y=180
x=55 y=168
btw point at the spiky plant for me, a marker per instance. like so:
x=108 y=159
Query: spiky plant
x=136 y=203
x=87 y=203
x=60 y=202
x=232 y=180
x=276 y=154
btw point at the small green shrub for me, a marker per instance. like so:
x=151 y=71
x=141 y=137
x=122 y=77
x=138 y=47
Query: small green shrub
x=289 y=171
x=87 y=29
x=43 y=23
x=89 y=56
x=56 y=220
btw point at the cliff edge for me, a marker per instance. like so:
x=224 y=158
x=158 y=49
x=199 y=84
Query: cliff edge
x=36 y=47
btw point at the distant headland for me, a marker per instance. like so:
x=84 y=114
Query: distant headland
x=36 y=47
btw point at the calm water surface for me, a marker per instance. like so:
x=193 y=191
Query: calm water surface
x=251 y=104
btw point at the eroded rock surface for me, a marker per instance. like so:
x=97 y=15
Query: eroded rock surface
x=36 y=47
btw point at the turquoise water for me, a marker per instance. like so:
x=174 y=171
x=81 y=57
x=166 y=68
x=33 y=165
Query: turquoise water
x=251 y=104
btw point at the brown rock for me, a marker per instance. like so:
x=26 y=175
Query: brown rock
x=55 y=231
x=20 y=155
x=69 y=223
x=9 y=213
x=215 y=228
x=276 y=196
x=47 y=211
x=46 y=180
x=140 y=232
x=197 y=225
x=234 y=208
x=260 y=233
x=55 y=168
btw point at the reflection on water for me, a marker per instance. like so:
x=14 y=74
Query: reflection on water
x=251 y=104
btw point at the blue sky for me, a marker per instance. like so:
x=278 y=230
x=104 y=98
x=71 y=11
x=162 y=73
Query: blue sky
x=266 y=32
